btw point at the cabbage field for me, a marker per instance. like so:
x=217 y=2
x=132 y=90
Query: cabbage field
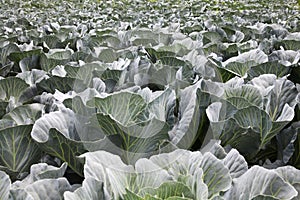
x=150 y=100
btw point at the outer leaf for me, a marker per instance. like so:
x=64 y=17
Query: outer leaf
x=20 y=194
x=107 y=55
x=12 y=86
x=40 y=171
x=236 y=163
x=48 y=189
x=6 y=69
x=4 y=123
x=292 y=176
x=222 y=74
x=244 y=96
x=64 y=148
x=56 y=133
x=150 y=175
x=4 y=185
x=256 y=119
x=240 y=68
x=26 y=114
x=198 y=187
x=124 y=107
x=60 y=120
x=269 y=68
x=63 y=84
x=18 y=149
x=191 y=118
x=279 y=92
x=286 y=57
x=215 y=148
x=161 y=76
x=86 y=72
x=251 y=117
x=110 y=170
x=57 y=57
x=77 y=105
x=174 y=62
x=138 y=138
x=32 y=77
x=286 y=140
x=211 y=36
x=29 y=63
x=163 y=106
x=6 y=50
x=216 y=176
x=178 y=49
x=156 y=55
x=185 y=167
x=62 y=135
x=256 y=55
x=91 y=189
x=18 y=56
x=260 y=182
